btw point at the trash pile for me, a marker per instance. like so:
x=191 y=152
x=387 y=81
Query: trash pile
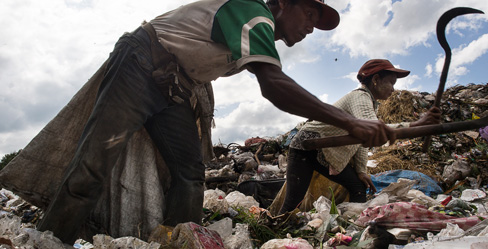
x=451 y=157
x=431 y=199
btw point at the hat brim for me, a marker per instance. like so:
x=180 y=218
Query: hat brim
x=399 y=72
x=329 y=19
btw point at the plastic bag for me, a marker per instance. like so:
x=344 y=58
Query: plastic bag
x=240 y=240
x=425 y=183
x=237 y=198
x=214 y=200
x=289 y=243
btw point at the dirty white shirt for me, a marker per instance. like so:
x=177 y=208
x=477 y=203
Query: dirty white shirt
x=214 y=38
x=360 y=104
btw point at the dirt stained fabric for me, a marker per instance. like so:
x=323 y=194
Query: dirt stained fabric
x=132 y=202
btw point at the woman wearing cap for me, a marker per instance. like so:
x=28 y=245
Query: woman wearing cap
x=345 y=165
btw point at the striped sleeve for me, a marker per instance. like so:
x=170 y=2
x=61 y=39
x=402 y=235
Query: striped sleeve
x=247 y=29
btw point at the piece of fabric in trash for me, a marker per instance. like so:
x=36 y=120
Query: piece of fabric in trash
x=412 y=216
x=254 y=141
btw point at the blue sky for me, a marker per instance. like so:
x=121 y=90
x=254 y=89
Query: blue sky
x=48 y=49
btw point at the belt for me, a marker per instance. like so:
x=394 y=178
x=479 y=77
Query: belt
x=160 y=55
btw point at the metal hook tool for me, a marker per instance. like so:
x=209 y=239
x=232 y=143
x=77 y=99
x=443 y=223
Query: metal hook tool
x=441 y=37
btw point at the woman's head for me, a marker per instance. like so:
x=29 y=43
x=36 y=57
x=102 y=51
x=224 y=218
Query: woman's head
x=379 y=76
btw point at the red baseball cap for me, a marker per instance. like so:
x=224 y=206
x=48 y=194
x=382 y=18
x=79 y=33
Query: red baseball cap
x=329 y=18
x=374 y=66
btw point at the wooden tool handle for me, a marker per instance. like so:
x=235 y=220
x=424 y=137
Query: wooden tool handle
x=402 y=133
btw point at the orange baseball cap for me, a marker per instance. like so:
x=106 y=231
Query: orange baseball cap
x=374 y=66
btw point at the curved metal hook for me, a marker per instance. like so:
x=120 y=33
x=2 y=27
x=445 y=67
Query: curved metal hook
x=441 y=37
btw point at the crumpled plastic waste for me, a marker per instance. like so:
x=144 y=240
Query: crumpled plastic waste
x=223 y=227
x=17 y=237
x=459 y=169
x=484 y=132
x=322 y=206
x=352 y=209
x=288 y=243
x=472 y=194
x=214 y=200
x=105 y=241
x=236 y=198
x=455 y=207
x=339 y=239
x=240 y=239
x=452 y=237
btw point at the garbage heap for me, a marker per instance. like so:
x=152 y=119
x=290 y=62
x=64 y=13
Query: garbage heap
x=451 y=157
x=426 y=199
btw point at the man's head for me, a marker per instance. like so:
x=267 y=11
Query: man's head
x=329 y=18
x=297 y=18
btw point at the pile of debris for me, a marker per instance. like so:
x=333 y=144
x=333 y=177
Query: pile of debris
x=465 y=151
x=431 y=199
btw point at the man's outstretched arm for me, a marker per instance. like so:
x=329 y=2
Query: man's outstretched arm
x=290 y=97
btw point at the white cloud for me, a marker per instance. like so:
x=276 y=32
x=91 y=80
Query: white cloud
x=304 y=52
x=15 y=140
x=428 y=70
x=239 y=88
x=380 y=28
x=352 y=76
x=407 y=82
x=324 y=97
x=251 y=119
x=468 y=54
x=463 y=56
x=368 y=29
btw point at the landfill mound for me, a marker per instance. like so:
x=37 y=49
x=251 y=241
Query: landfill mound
x=430 y=199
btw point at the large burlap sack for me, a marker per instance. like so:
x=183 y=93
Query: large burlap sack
x=132 y=201
x=319 y=186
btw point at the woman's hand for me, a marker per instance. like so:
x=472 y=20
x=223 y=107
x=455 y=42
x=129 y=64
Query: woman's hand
x=433 y=116
x=366 y=179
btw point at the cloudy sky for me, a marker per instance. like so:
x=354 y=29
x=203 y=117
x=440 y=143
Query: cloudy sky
x=48 y=49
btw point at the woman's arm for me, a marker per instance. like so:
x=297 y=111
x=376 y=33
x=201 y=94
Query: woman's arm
x=432 y=116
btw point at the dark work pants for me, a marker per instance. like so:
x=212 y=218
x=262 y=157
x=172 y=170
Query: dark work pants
x=299 y=172
x=128 y=99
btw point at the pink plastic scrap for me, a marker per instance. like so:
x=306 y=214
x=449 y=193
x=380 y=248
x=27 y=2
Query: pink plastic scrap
x=412 y=216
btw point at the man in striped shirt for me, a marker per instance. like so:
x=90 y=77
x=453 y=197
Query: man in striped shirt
x=154 y=78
